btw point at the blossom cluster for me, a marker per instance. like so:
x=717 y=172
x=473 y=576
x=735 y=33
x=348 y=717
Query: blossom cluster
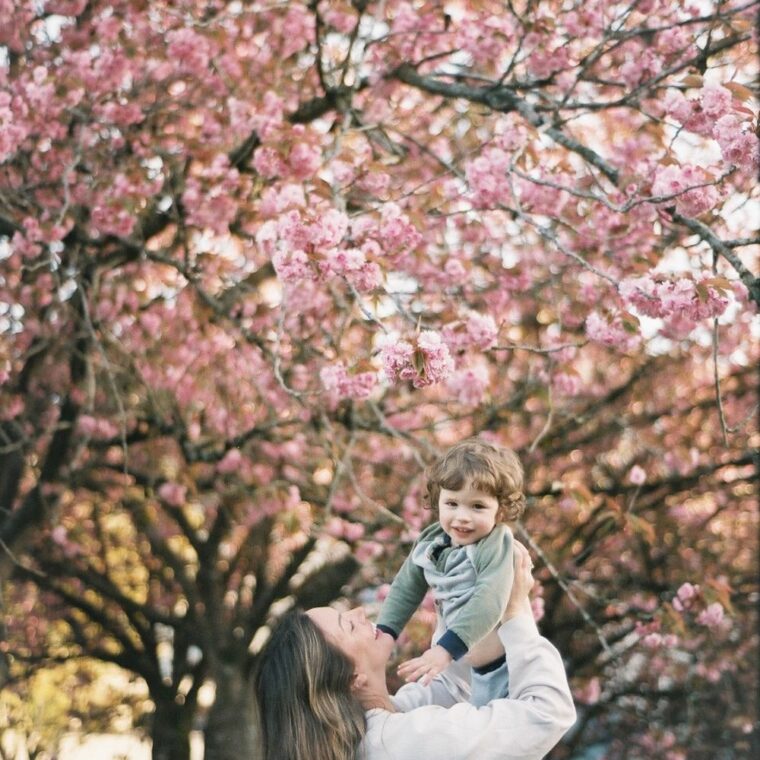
x=174 y=494
x=473 y=331
x=469 y=384
x=96 y=427
x=488 y=178
x=714 y=113
x=426 y=362
x=566 y=383
x=689 y=597
x=337 y=379
x=209 y=198
x=689 y=187
x=396 y=233
x=685 y=298
x=312 y=244
x=614 y=333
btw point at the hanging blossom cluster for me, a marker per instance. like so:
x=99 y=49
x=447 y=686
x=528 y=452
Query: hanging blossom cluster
x=301 y=162
x=474 y=331
x=487 y=176
x=396 y=232
x=336 y=379
x=469 y=384
x=689 y=598
x=426 y=362
x=689 y=187
x=209 y=196
x=686 y=298
x=613 y=334
x=306 y=245
x=716 y=114
x=566 y=384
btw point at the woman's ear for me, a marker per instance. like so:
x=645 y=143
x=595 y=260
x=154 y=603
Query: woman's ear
x=358 y=682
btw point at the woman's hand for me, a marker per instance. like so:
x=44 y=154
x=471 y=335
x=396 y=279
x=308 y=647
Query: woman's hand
x=519 y=603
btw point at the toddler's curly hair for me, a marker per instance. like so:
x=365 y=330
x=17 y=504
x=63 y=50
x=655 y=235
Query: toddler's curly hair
x=486 y=467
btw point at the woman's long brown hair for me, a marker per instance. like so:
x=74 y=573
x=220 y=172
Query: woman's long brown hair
x=302 y=684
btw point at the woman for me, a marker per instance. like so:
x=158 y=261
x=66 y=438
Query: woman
x=322 y=694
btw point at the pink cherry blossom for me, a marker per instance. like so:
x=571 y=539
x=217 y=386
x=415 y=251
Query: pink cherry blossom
x=353 y=531
x=711 y=616
x=475 y=330
x=637 y=475
x=426 y=363
x=397 y=233
x=677 y=105
x=469 y=384
x=739 y=145
x=675 y=299
x=368 y=551
x=685 y=595
x=268 y=162
x=304 y=160
x=487 y=176
x=566 y=384
x=173 y=494
x=455 y=271
x=590 y=693
x=336 y=378
x=339 y=20
x=344 y=260
x=230 y=462
x=111 y=220
x=715 y=101
x=190 y=51
x=329 y=229
x=292 y=266
x=686 y=186
x=367 y=277
x=611 y=334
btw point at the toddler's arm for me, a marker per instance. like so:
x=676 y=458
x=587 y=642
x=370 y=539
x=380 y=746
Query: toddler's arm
x=427 y=666
x=406 y=592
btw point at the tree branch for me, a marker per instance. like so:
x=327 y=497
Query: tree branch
x=721 y=249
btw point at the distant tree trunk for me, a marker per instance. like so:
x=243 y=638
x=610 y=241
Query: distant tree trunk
x=170 y=731
x=230 y=732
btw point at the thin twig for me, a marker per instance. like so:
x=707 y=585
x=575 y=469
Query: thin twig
x=739 y=425
x=538 y=349
x=547 y=425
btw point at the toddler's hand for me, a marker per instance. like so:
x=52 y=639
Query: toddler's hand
x=425 y=667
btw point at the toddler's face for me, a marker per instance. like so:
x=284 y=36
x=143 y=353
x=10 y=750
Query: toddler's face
x=467 y=515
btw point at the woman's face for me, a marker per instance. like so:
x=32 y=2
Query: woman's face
x=366 y=646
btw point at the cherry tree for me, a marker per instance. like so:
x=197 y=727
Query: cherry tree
x=260 y=262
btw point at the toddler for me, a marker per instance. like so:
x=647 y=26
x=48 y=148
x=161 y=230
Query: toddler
x=465 y=558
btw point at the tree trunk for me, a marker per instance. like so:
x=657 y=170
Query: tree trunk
x=230 y=732
x=170 y=731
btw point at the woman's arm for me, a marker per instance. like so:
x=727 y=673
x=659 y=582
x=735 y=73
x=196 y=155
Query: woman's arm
x=523 y=727
x=446 y=689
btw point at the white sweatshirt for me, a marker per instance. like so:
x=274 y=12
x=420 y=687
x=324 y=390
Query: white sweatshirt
x=437 y=723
